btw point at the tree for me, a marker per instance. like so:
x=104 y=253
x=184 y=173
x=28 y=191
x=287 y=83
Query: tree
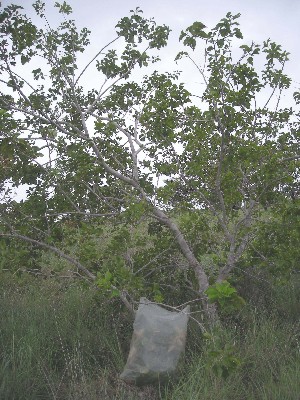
x=132 y=149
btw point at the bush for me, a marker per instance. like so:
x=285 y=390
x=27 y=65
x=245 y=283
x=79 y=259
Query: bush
x=61 y=340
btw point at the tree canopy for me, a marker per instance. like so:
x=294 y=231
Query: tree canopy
x=141 y=184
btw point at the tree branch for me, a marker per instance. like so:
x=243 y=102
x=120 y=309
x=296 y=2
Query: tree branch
x=94 y=58
x=53 y=249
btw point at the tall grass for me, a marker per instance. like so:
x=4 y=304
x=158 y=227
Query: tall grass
x=63 y=341
x=58 y=343
x=269 y=369
x=267 y=343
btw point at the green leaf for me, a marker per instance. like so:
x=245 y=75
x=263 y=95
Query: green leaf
x=115 y=293
x=190 y=41
x=108 y=276
x=64 y=8
x=238 y=33
x=24 y=59
x=196 y=29
x=181 y=54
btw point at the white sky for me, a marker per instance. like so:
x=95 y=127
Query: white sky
x=260 y=20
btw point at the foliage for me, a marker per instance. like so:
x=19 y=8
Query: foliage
x=61 y=339
x=223 y=362
x=199 y=177
x=57 y=341
x=277 y=240
x=225 y=296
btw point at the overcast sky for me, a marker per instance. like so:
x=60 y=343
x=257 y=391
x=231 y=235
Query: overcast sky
x=260 y=20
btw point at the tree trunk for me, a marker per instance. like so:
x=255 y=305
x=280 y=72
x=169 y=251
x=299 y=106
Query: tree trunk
x=209 y=309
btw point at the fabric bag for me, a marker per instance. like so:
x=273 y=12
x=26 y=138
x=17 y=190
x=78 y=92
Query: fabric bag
x=157 y=344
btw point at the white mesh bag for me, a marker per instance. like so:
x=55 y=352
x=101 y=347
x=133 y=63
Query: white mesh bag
x=157 y=344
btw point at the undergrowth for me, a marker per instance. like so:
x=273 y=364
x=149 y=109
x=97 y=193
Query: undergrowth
x=64 y=341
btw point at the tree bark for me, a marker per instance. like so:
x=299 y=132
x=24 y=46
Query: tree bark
x=71 y=260
x=203 y=282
